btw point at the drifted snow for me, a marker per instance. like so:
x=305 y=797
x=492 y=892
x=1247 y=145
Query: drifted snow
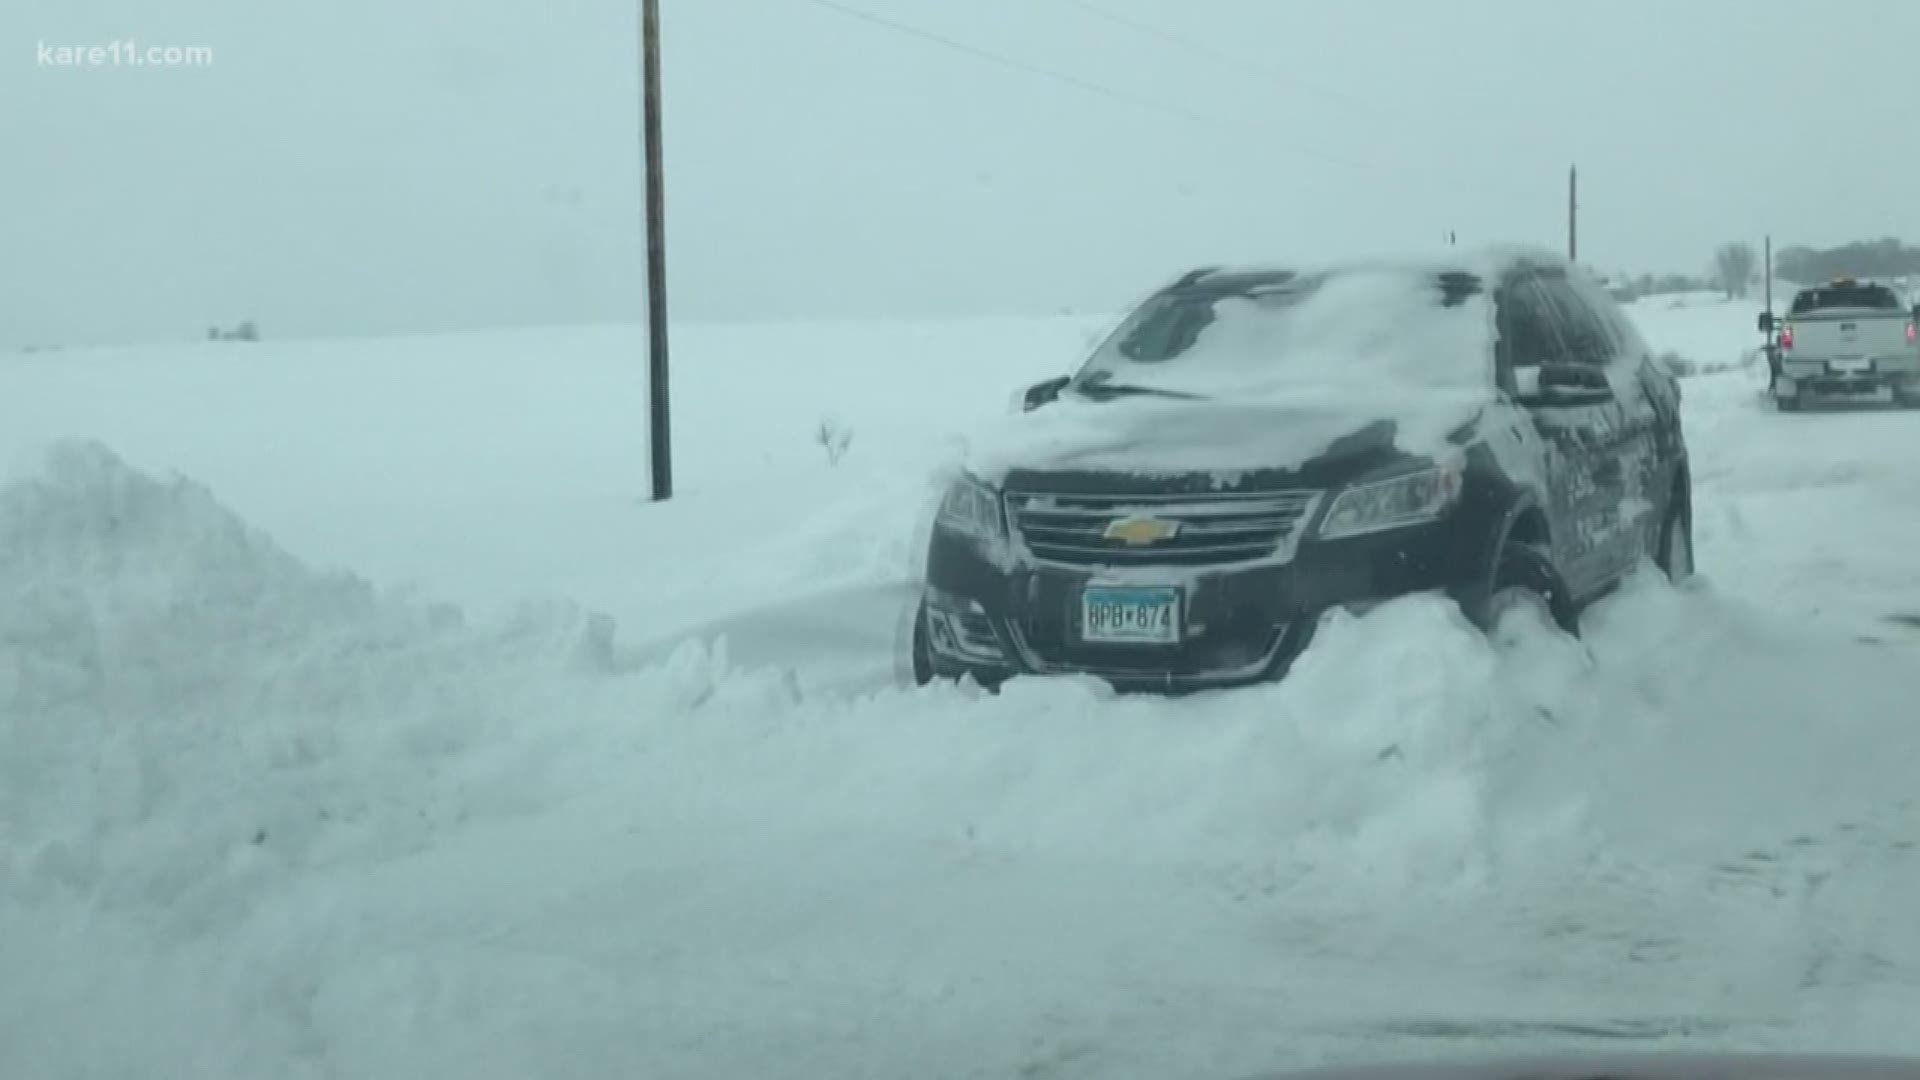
x=258 y=818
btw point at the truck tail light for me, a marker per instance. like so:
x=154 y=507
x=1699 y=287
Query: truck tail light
x=1909 y=333
x=1786 y=336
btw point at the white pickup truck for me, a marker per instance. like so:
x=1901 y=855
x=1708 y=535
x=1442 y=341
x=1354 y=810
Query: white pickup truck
x=1847 y=340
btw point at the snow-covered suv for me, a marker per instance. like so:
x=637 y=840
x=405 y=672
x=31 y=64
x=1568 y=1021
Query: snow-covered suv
x=1253 y=447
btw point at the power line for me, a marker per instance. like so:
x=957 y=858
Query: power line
x=1009 y=62
x=1076 y=81
x=1423 y=175
x=1262 y=71
x=1202 y=49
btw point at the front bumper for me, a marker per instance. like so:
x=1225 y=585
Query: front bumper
x=994 y=618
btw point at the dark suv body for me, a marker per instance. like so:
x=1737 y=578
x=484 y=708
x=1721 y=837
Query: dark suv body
x=1251 y=449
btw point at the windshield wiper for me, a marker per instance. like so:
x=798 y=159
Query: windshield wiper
x=1097 y=386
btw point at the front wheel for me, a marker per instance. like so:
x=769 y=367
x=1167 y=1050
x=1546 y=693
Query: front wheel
x=1524 y=577
x=1675 y=557
x=922 y=653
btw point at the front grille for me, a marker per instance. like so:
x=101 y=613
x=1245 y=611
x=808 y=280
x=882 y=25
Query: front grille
x=1211 y=529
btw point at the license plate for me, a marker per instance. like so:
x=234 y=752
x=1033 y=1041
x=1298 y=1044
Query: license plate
x=1112 y=615
x=1851 y=365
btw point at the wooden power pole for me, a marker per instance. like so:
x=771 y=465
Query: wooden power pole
x=1767 y=281
x=659 y=429
x=1573 y=214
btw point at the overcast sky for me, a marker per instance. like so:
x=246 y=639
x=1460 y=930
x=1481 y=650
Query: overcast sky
x=373 y=166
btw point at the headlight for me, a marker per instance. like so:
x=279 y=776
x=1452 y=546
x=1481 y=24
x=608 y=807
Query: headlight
x=1392 y=503
x=972 y=508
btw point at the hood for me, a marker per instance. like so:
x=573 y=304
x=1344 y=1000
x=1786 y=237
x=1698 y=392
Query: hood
x=1221 y=443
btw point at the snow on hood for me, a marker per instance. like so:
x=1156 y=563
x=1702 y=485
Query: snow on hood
x=1164 y=437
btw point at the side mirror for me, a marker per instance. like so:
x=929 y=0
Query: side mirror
x=1562 y=384
x=1043 y=393
x=1766 y=322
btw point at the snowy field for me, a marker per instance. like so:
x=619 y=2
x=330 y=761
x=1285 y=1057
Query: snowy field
x=359 y=718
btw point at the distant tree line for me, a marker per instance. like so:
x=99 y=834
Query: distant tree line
x=1735 y=268
x=246 y=331
x=1626 y=288
x=1861 y=258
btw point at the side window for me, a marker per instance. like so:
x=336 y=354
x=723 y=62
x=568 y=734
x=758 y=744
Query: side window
x=1585 y=336
x=1528 y=336
x=1627 y=342
x=1632 y=345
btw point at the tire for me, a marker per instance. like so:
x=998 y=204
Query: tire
x=1675 y=554
x=1787 y=404
x=922 y=653
x=1524 y=576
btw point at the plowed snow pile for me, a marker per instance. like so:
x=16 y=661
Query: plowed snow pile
x=257 y=820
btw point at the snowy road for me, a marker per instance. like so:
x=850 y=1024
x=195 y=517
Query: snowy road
x=262 y=819
x=1811 y=519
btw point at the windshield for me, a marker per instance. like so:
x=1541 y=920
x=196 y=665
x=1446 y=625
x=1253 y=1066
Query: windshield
x=1255 y=335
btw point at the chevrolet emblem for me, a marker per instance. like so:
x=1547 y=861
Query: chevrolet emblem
x=1141 y=531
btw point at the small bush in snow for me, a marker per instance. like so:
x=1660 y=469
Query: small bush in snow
x=1683 y=368
x=1676 y=365
x=833 y=437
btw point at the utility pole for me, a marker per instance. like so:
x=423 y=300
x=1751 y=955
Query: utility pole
x=659 y=430
x=1573 y=214
x=1767 y=281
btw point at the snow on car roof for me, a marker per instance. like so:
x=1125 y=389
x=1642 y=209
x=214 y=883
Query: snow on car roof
x=1490 y=261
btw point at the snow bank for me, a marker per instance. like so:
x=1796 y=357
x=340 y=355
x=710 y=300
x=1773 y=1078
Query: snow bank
x=1700 y=334
x=180 y=699
x=257 y=820
x=200 y=737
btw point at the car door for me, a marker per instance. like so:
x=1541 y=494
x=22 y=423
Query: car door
x=1655 y=456
x=1618 y=435
x=1581 y=484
